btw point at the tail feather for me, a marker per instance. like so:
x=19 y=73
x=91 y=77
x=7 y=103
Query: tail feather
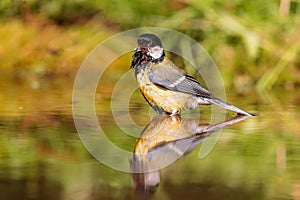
x=228 y=106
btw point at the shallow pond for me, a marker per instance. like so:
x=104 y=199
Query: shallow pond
x=42 y=156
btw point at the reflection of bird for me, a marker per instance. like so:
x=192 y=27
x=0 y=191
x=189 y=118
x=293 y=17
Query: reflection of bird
x=163 y=141
x=166 y=87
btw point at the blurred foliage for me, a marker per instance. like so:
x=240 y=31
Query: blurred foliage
x=254 y=43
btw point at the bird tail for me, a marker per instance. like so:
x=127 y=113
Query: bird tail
x=228 y=106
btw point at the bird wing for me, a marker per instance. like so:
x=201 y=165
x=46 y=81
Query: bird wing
x=171 y=77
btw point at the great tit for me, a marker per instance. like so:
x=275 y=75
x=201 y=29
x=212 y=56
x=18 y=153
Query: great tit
x=166 y=87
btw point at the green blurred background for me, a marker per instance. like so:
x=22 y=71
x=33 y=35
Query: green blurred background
x=256 y=41
x=255 y=44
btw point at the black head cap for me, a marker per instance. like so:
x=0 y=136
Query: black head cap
x=149 y=40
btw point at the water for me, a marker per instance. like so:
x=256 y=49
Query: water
x=42 y=156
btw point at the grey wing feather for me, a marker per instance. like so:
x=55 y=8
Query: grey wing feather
x=177 y=80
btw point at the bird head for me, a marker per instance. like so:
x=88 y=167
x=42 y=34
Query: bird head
x=150 y=45
x=149 y=49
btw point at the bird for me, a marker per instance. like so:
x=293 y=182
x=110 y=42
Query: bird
x=165 y=86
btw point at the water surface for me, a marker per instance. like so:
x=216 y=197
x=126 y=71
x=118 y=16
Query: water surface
x=42 y=157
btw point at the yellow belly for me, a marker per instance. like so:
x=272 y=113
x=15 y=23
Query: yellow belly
x=169 y=101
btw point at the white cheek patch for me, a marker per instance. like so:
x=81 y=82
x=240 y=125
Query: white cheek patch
x=156 y=52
